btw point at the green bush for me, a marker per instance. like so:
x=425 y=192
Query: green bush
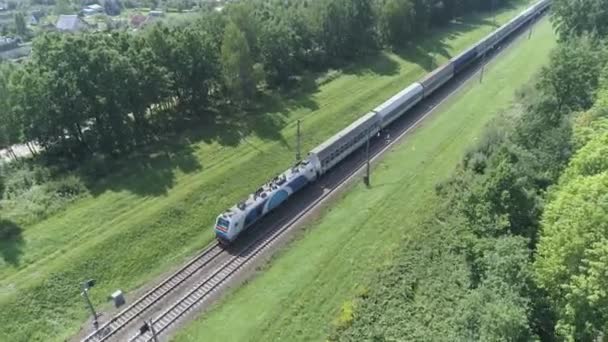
x=67 y=187
x=30 y=191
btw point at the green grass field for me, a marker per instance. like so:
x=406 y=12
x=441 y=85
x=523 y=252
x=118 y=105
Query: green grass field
x=159 y=210
x=308 y=286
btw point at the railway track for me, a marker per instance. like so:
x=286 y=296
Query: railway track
x=145 y=302
x=206 y=288
x=203 y=290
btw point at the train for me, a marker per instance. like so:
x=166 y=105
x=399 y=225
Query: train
x=232 y=222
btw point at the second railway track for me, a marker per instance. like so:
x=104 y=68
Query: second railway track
x=202 y=291
x=141 y=305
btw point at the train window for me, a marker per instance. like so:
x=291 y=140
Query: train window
x=223 y=222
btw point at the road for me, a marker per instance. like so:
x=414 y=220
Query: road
x=20 y=150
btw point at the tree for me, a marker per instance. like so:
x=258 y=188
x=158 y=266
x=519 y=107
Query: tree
x=498 y=309
x=396 y=23
x=345 y=28
x=214 y=24
x=580 y=17
x=29 y=117
x=573 y=76
x=191 y=57
x=20 y=26
x=152 y=4
x=573 y=256
x=5 y=112
x=112 y=7
x=363 y=23
x=147 y=83
x=63 y=7
x=237 y=65
x=589 y=124
x=279 y=53
x=590 y=160
x=242 y=15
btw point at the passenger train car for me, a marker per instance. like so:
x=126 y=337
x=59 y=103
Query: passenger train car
x=324 y=157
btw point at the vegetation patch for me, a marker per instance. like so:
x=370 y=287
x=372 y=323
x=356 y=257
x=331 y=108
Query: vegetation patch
x=517 y=241
x=572 y=254
x=153 y=208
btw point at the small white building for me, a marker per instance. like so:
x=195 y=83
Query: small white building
x=156 y=13
x=92 y=9
x=96 y=7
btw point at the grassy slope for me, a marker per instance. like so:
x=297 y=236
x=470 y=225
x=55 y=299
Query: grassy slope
x=153 y=216
x=302 y=291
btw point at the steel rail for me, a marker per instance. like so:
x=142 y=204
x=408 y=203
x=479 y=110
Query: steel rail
x=153 y=296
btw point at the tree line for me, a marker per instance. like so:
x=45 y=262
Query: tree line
x=108 y=93
x=471 y=266
x=572 y=256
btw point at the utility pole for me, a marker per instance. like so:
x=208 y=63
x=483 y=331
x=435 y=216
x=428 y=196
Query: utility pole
x=85 y=293
x=531 y=27
x=366 y=178
x=298 y=144
x=154 y=335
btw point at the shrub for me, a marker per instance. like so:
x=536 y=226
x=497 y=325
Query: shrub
x=30 y=191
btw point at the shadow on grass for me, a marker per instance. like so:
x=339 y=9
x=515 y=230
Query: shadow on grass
x=145 y=173
x=378 y=64
x=423 y=52
x=152 y=169
x=11 y=242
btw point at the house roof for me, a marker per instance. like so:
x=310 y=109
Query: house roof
x=138 y=20
x=69 y=23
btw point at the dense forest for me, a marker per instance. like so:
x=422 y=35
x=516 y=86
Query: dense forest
x=518 y=248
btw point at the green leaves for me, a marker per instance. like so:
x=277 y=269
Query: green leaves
x=573 y=76
x=237 y=64
x=397 y=21
x=572 y=259
x=20 y=26
x=590 y=160
x=572 y=256
x=100 y=93
x=579 y=17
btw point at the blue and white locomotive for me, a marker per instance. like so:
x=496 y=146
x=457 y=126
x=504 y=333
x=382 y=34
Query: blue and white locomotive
x=269 y=196
x=324 y=157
